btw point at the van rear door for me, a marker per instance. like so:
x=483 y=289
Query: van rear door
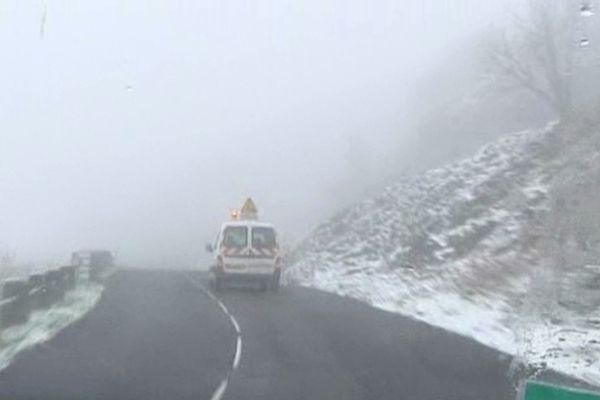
x=264 y=241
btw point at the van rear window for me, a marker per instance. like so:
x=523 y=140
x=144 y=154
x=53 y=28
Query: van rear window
x=263 y=238
x=235 y=236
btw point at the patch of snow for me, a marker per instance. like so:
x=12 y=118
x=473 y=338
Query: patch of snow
x=571 y=348
x=483 y=319
x=43 y=325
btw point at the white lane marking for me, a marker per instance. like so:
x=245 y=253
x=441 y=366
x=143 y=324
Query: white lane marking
x=224 y=308
x=238 y=353
x=235 y=325
x=218 y=394
x=209 y=294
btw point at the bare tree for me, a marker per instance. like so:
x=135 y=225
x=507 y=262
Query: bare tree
x=536 y=53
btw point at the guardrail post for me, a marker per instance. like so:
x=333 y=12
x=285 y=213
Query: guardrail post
x=94 y=274
x=37 y=285
x=14 y=307
x=70 y=276
x=55 y=289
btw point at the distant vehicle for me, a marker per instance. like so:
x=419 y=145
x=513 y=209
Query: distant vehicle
x=246 y=250
x=96 y=261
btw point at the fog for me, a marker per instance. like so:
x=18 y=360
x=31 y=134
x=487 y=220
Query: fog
x=135 y=126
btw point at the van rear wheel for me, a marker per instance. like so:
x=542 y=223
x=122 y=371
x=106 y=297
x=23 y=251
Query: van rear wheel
x=217 y=284
x=275 y=281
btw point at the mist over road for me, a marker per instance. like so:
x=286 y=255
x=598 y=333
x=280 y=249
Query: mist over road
x=156 y=335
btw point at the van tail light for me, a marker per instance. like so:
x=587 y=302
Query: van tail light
x=219 y=264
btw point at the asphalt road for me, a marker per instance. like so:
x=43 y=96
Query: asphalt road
x=157 y=335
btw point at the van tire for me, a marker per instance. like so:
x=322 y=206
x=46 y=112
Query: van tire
x=217 y=284
x=275 y=281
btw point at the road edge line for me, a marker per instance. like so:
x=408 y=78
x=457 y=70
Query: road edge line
x=220 y=391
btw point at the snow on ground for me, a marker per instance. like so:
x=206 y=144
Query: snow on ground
x=8 y=272
x=425 y=300
x=570 y=346
x=43 y=325
x=457 y=247
x=567 y=338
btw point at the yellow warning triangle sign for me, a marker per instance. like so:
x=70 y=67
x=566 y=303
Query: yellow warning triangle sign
x=249 y=209
x=249 y=206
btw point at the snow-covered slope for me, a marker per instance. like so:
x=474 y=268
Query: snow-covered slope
x=476 y=247
x=43 y=325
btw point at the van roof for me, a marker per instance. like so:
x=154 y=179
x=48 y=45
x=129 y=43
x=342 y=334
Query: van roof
x=249 y=223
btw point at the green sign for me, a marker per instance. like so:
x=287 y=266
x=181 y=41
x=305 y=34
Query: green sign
x=545 y=391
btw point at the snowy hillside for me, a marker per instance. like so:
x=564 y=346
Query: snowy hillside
x=491 y=247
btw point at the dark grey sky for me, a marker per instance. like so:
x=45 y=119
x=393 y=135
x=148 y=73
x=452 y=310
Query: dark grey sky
x=135 y=125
